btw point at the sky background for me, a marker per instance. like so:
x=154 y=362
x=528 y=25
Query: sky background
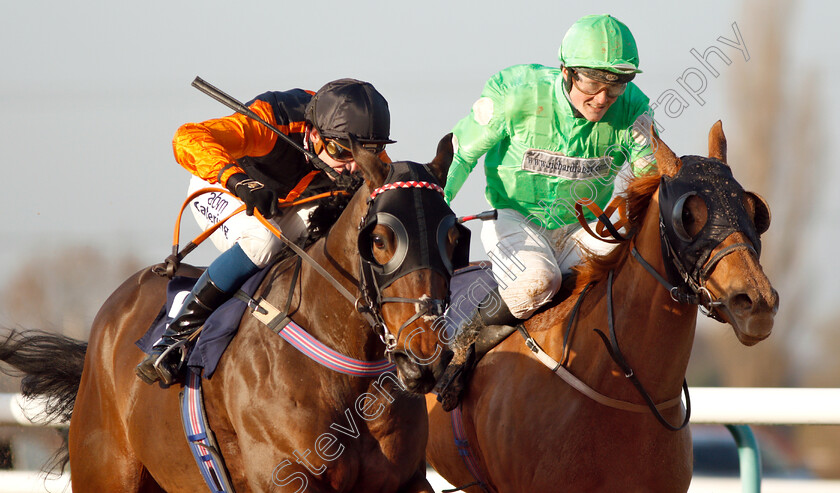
x=92 y=92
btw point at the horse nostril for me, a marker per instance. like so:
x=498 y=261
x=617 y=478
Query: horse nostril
x=741 y=303
x=405 y=365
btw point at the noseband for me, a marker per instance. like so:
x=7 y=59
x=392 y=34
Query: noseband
x=689 y=290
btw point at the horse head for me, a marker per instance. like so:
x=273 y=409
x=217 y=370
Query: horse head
x=409 y=244
x=711 y=238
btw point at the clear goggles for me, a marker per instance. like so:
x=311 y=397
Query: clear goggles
x=592 y=87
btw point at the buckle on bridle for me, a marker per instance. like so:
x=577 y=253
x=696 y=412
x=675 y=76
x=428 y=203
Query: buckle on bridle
x=387 y=338
x=707 y=306
x=361 y=306
x=674 y=294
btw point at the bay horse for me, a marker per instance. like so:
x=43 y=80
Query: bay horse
x=624 y=340
x=282 y=421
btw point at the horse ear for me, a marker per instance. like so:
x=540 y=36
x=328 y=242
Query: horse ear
x=373 y=169
x=761 y=211
x=717 y=142
x=667 y=162
x=440 y=164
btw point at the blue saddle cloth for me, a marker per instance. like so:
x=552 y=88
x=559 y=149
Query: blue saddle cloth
x=218 y=330
x=468 y=287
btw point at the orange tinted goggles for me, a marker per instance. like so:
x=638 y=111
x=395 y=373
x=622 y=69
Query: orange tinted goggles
x=340 y=151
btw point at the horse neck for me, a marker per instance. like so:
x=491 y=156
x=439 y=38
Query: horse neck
x=654 y=333
x=328 y=315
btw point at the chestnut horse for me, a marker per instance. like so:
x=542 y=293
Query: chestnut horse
x=282 y=421
x=529 y=430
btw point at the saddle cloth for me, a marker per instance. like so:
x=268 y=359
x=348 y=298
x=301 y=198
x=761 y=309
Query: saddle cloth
x=468 y=287
x=218 y=330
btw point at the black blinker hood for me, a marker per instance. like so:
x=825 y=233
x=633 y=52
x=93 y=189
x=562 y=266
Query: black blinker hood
x=713 y=182
x=420 y=220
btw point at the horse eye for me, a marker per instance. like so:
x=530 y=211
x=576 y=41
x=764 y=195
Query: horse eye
x=687 y=218
x=378 y=241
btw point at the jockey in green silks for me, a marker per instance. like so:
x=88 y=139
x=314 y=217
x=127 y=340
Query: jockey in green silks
x=551 y=136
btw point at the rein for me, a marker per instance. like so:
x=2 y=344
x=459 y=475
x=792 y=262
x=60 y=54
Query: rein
x=604 y=224
x=173 y=261
x=380 y=329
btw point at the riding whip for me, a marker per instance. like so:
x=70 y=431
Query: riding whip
x=240 y=108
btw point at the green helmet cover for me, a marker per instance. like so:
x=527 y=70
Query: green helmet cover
x=600 y=42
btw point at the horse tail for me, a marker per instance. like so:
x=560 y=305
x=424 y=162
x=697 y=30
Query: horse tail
x=51 y=366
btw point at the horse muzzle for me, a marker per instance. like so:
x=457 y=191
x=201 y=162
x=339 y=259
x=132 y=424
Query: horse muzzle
x=420 y=377
x=751 y=312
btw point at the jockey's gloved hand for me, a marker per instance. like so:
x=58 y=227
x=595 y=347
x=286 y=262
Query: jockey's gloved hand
x=255 y=195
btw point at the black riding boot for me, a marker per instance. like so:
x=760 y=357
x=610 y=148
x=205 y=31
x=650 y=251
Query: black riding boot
x=165 y=365
x=455 y=378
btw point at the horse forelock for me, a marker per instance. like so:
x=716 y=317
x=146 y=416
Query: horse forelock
x=638 y=195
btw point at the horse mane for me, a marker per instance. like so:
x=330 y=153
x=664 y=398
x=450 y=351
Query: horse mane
x=637 y=195
x=329 y=209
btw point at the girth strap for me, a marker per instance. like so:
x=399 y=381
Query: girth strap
x=463 y=444
x=203 y=444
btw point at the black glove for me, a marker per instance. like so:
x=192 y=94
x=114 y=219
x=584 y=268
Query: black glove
x=254 y=194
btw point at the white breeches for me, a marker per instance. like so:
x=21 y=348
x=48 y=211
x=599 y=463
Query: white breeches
x=258 y=243
x=529 y=264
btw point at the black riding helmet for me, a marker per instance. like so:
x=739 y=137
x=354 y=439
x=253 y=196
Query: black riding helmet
x=350 y=106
